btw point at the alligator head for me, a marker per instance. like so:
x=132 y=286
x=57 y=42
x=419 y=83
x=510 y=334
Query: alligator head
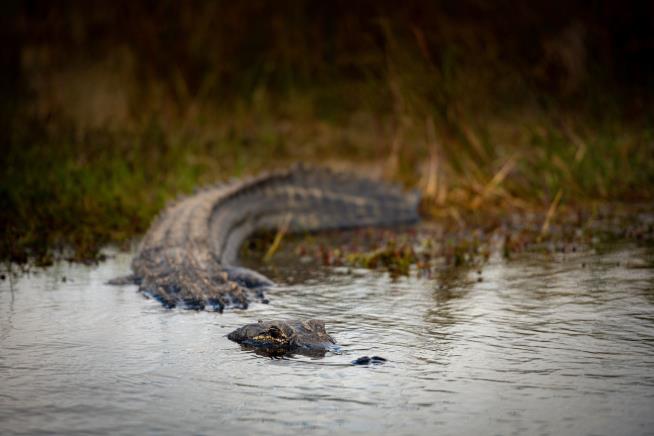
x=281 y=337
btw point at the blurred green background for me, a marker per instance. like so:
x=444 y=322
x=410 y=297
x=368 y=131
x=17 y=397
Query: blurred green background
x=109 y=109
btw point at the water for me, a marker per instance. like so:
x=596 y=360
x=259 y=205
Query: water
x=543 y=344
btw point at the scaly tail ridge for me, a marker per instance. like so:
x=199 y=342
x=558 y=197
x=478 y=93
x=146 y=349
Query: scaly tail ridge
x=187 y=256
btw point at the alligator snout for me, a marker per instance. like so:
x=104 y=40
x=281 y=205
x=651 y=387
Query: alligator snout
x=365 y=360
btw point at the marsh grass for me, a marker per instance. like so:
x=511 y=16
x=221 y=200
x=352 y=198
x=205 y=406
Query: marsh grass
x=63 y=188
x=98 y=143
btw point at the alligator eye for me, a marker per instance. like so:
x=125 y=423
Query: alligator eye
x=275 y=332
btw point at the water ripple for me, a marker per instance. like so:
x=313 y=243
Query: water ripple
x=541 y=345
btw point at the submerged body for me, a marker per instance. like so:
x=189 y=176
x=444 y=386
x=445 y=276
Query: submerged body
x=187 y=258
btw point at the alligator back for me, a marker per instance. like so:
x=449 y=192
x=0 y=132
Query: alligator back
x=189 y=253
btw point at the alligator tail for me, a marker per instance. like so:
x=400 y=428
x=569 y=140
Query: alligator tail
x=188 y=255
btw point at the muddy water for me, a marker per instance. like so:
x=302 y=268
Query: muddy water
x=540 y=344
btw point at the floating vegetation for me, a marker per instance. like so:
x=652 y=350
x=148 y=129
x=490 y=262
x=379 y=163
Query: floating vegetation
x=396 y=259
x=430 y=247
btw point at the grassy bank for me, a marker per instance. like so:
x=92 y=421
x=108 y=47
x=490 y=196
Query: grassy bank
x=62 y=189
x=104 y=127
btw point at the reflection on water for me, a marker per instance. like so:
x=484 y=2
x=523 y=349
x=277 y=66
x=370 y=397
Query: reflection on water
x=557 y=344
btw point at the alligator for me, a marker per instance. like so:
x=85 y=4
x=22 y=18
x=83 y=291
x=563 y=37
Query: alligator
x=273 y=338
x=188 y=257
x=280 y=338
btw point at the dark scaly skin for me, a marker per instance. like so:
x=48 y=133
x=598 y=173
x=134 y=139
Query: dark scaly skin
x=187 y=258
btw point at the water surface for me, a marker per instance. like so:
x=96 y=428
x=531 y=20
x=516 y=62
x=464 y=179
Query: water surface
x=540 y=344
